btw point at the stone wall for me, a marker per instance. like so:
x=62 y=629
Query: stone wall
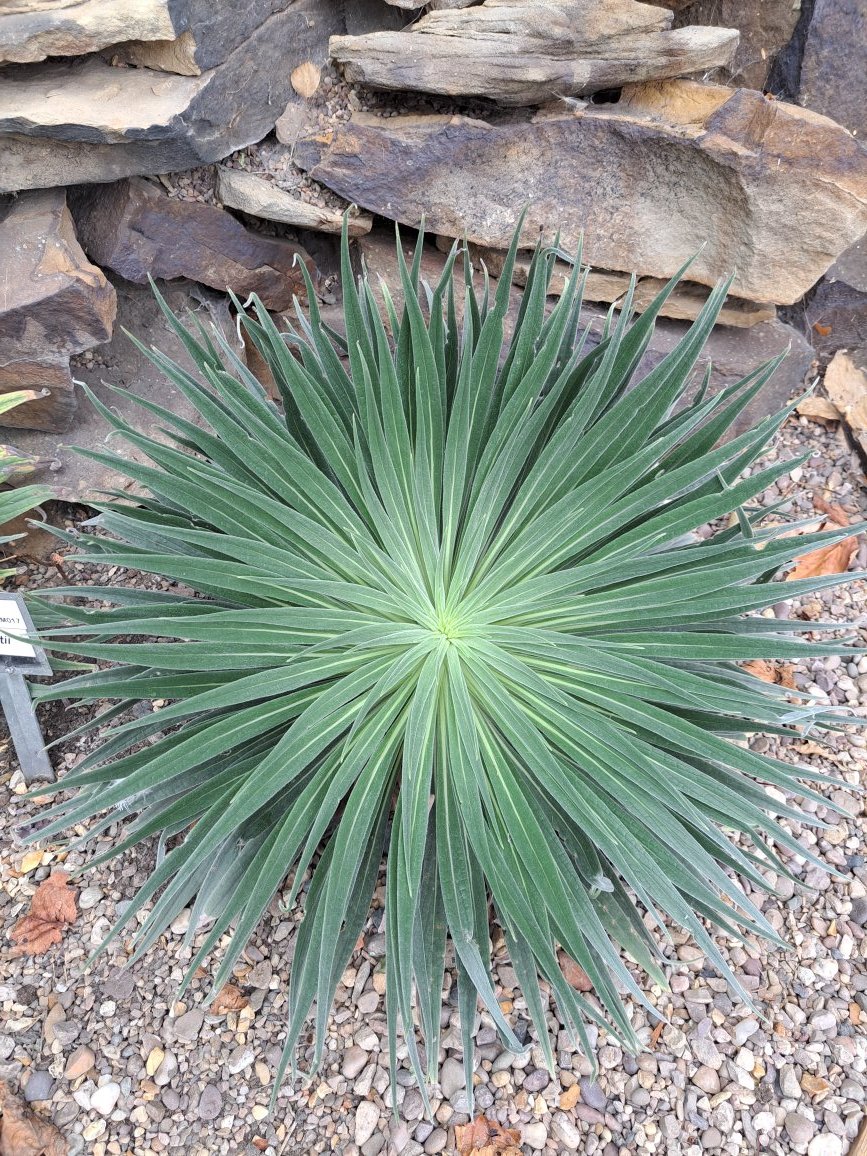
x=215 y=145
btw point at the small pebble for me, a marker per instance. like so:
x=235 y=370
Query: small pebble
x=104 y=1098
x=366 y=1121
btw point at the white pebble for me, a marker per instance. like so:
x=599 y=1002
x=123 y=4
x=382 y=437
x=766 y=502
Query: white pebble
x=826 y=1145
x=104 y=1099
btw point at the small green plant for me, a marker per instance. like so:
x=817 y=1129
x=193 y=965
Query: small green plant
x=15 y=502
x=449 y=611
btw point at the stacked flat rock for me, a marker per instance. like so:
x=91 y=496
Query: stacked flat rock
x=145 y=87
x=528 y=51
x=673 y=171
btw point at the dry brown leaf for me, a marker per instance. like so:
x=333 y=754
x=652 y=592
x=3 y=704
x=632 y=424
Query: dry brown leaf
x=305 y=79
x=786 y=675
x=656 y=1033
x=836 y=513
x=23 y=1133
x=781 y=673
x=833 y=559
x=576 y=976
x=484 y=1137
x=51 y=909
x=228 y=999
x=819 y=407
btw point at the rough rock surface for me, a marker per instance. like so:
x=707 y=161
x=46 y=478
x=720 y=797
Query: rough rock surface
x=81 y=121
x=198 y=33
x=54 y=304
x=39 y=28
x=833 y=73
x=649 y=181
x=851 y=266
x=373 y=16
x=846 y=383
x=766 y=26
x=136 y=230
x=837 y=317
x=527 y=53
x=258 y=197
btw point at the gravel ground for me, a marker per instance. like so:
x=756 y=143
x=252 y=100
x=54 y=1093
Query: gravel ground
x=122 y=1068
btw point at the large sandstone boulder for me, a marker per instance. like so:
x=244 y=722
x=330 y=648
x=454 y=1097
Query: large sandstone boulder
x=751 y=185
x=54 y=304
x=86 y=120
x=528 y=51
x=31 y=30
x=137 y=231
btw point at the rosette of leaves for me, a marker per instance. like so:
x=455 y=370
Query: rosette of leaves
x=443 y=607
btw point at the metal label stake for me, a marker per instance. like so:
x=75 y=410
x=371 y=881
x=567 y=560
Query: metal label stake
x=19 y=660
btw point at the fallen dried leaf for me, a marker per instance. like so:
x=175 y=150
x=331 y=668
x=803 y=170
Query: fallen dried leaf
x=51 y=909
x=305 y=79
x=484 y=1137
x=833 y=559
x=228 y=999
x=575 y=976
x=23 y=1133
x=836 y=513
x=819 y=407
x=781 y=673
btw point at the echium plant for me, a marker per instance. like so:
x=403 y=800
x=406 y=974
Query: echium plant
x=444 y=605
